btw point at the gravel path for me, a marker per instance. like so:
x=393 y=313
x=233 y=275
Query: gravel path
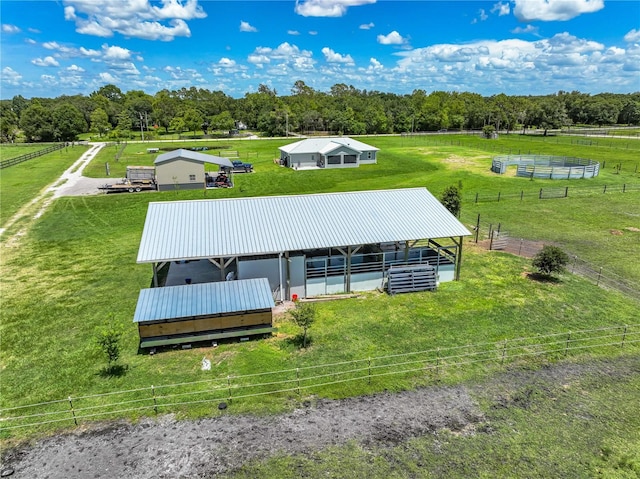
x=167 y=448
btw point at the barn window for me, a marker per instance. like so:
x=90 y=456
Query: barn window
x=350 y=159
x=333 y=160
x=192 y=177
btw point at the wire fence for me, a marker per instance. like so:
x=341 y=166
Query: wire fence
x=499 y=239
x=362 y=374
x=29 y=156
x=552 y=193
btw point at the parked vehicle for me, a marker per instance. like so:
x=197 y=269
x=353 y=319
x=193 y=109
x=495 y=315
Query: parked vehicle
x=126 y=185
x=238 y=167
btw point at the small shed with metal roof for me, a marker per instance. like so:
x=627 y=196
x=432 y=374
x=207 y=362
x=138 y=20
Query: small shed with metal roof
x=327 y=152
x=185 y=169
x=307 y=245
x=204 y=312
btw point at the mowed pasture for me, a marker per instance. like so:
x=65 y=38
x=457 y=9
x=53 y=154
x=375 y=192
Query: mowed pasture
x=74 y=272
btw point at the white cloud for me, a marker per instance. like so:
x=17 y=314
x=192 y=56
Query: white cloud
x=246 y=27
x=482 y=15
x=293 y=32
x=51 y=45
x=30 y=41
x=227 y=63
x=312 y=32
x=375 y=65
x=10 y=76
x=7 y=28
x=393 y=38
x=554 y=10
x=87 y=52
x=107 y=77
x=285 y=57
x=333 y=57
x=327 y=8
x=527 y=29
x=501 y=8
x=133 y=18
x=633 y=36
x=367 y=26
x=114 y=53
x=48 y=61
x=75 y=68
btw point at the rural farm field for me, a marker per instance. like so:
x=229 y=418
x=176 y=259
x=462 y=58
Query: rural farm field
x=73 y=273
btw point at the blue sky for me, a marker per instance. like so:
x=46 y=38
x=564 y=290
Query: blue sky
x=68 y=47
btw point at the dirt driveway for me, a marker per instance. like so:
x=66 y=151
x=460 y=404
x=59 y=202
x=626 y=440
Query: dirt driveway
x=167 y=448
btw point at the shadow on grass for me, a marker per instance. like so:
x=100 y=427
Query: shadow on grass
x=543 y=278
x=113 y=371
x=297 y=341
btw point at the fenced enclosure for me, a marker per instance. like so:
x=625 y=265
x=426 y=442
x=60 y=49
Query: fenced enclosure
x=546 y=166
x=363 y=375
x=29 y=156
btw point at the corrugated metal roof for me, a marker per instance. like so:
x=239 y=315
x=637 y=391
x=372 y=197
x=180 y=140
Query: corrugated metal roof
x=194 y=156
x=272 y=224
x=189 y=300
x=315 y=145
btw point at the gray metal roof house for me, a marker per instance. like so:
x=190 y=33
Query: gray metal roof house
x=184 y=169
x=329 y=152
x=306 y=245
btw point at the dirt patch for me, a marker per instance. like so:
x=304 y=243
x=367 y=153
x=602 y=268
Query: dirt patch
x=168 y=448
x=632 y=228
x=616 y=232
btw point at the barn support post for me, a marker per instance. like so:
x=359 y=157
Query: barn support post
x=288 y=274
x=155 y=275
x=280 y=275
x=458 y=258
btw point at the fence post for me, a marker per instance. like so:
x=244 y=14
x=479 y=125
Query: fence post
x=476 y=198
x=605 y=189
x=566 y=346
x=624 y=187
x=624 y=336
x=477 y=227
x=229 y=387
x=369 y=363
x=521 y=194
x=298 y=379
x=599 y=275
x=575 y=260
x=73 y=413
x=498 y=197
x=437 y=361
x=520 y=248
x=155 y=404
x=540 y=195
x=566 y=191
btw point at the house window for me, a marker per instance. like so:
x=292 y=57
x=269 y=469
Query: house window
x=192 y=177
x=350 y=159
x=368 y=155
x=333 y=160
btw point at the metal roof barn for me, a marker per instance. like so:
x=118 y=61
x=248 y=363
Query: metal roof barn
x=203 y=299
x=200 y=229
x=194 y=156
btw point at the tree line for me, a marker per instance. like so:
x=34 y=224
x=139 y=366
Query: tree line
x=109 y=113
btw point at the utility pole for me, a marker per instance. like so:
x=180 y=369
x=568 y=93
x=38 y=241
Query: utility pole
x=141 y=126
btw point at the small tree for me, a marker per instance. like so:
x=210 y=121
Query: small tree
x=304 y=314
x=489 y=131
x=109 y=341
x=451 y=200
x=549 y=260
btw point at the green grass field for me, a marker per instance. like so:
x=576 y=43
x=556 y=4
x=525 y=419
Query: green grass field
x=76 y=267
x=22 y=182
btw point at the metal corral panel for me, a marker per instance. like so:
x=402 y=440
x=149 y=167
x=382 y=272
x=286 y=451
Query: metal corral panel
x=204 y=299
x=272 y=224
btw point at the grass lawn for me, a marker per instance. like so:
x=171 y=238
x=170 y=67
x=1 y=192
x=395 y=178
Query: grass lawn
x=75 y=268
x=20 y=183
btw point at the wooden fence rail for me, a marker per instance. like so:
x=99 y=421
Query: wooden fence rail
x=75 y=410
x=29 y=156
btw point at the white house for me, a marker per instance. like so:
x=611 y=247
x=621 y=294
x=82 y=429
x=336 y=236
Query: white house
x=328 y=152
